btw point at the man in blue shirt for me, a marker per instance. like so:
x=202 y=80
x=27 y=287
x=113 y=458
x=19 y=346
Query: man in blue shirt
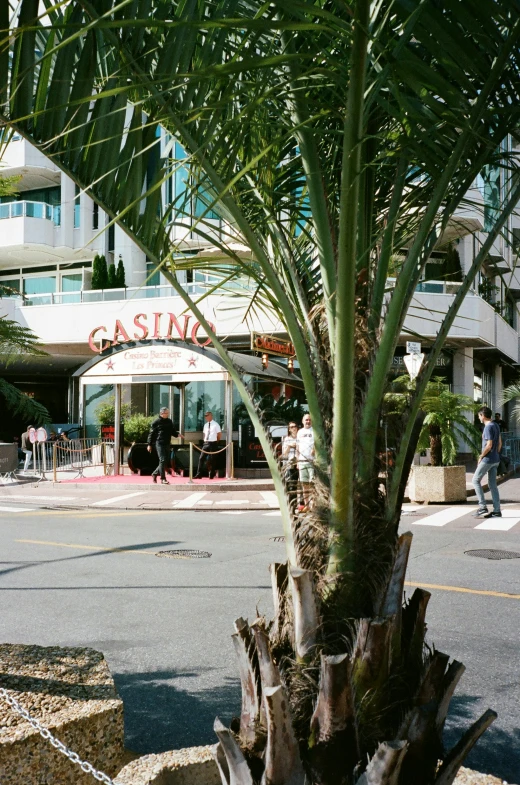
x=488 y=462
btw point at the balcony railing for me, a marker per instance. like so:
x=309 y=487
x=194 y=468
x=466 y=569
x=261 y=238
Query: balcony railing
x=106 y=295
x=48 y=212
x=433 y=287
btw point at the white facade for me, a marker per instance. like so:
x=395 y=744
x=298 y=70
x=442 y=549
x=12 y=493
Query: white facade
x=50 y=234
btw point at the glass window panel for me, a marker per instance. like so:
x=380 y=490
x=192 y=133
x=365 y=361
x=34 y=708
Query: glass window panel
x=34 y=209
x=202 y=397
x=71 y=282
x=16 y=209
x=94 y=395
x=40 y=285
x=4 y=211
x=159 y=396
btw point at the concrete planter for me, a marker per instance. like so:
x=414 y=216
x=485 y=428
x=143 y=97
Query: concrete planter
x=437 y=484
x=189 y=766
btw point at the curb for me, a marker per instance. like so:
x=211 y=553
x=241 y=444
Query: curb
x=224 y=487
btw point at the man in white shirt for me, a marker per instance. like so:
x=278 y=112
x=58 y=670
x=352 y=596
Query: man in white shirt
x=305 y=455
x=211 y=437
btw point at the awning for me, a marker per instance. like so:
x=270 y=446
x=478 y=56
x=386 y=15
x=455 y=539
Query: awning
x=159 y=361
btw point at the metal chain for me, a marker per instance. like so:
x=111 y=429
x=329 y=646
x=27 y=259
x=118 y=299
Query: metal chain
x=47 y=735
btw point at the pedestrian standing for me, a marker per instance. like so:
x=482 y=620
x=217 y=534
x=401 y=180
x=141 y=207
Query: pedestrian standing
x=27 y=447
x=161 y=431
x=290 y=463
x=500 y=422
x=305 y=456
x=488 y=462
x=211 y=436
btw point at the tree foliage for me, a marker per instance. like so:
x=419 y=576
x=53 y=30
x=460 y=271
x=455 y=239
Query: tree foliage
x=331 y=139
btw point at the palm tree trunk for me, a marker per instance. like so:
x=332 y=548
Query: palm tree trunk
x=435 y=445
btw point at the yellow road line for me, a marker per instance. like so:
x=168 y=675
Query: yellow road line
x=463 y=590
x=99 y=548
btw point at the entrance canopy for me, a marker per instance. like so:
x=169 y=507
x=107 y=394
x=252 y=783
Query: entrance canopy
x=163 y=362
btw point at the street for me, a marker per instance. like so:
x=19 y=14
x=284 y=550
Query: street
x=90 y=577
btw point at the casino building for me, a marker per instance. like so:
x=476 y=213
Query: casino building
x=49 y=236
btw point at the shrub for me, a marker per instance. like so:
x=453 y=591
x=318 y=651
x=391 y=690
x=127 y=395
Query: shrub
x=105 y=412
x=137 y=428
x=99 y=273
x=120 y=275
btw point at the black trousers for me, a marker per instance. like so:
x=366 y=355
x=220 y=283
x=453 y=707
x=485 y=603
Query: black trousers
x=206 y=461
x=163 y=451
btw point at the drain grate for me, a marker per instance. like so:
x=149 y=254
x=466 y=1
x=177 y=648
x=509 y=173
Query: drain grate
x=278 y=538
x=494 y=555
x=184 y=554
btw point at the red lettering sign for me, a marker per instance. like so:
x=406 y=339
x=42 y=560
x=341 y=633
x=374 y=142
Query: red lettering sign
x=175 y=325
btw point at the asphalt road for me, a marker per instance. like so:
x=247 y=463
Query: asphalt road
x=164 y=625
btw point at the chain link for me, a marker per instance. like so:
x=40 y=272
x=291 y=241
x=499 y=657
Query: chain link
x=47 y=735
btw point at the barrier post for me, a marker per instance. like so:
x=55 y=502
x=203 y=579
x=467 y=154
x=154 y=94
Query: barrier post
x=104 y=453
x=191 y=462
x=54 y=455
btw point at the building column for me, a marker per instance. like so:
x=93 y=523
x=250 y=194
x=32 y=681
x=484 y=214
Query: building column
x=463 y=382
x=498 y=388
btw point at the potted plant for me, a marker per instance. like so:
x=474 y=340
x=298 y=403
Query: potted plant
x=137 y=428
x=444 y=424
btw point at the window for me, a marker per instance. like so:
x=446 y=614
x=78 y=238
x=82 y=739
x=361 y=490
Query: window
x=39 y=290
x=71 y=285
x=77 y=215
x=95 y=216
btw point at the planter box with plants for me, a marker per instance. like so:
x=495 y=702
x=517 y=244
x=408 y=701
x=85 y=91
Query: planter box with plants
x=444 y=423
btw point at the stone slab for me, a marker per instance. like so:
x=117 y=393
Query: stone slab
x=190 y=766
x=437 y=484
x=69 y=691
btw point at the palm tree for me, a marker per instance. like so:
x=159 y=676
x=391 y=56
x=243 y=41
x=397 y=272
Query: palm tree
x=332 y=139
x=444 y=422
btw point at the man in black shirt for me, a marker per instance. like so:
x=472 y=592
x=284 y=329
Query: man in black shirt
x=161 y=431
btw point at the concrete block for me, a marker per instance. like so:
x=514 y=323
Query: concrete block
x=437 y=484
x=71 y=692
x=190 y=766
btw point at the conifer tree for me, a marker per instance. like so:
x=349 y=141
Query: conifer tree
x=120 y=274
x=112 y=277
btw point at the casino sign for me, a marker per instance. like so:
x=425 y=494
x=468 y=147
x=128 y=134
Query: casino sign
x=156 y=325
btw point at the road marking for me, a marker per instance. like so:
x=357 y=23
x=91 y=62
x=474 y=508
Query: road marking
x=270 y=497
x=463 y=590
x=499 y=524
x=15 y=509
x=203 y=502
x=98 y=548
x=237 y=501
x=83 y=513
x=233 y=512
x=277 y=514
x=411 y=507
x=189 y=501
x=442 y=517
x=118 y=498
x=10 y=496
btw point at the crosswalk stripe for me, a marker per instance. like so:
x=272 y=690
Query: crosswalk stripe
x=10 y=496
x=189 y=501
x=117 y=498
x=270 y=497
x=442 y=517
x=275 y=514
x=236 y=501
x=498 y=524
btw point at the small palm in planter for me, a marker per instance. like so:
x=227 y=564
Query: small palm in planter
x=445 y=422
x=443 y=425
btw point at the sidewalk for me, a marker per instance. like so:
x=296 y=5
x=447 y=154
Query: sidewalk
x=140 y=493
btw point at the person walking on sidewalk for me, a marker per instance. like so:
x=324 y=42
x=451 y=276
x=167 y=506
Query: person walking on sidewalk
x=161 y=431
x=211 y=436
x=488 y=462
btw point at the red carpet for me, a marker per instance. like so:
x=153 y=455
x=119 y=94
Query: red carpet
x=136 y=479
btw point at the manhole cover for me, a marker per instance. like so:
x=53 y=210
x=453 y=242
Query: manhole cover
x=184 y=554
x=278 y=538
x=495 y=555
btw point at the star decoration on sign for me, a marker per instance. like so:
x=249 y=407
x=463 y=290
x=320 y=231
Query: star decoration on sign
x=192 y=361
x=110 y=365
